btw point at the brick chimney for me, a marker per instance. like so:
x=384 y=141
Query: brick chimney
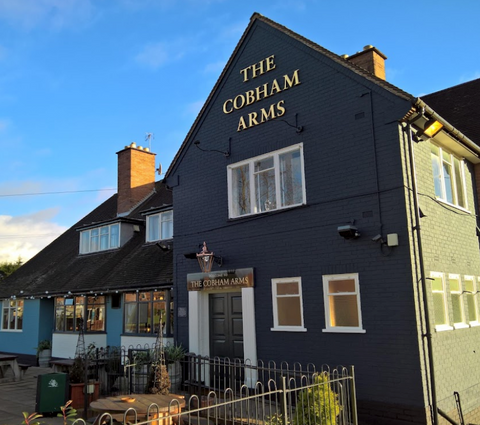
x=371 y=59
x=136 y=177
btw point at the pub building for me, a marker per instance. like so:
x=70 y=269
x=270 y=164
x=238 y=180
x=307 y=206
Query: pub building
x=303 y=183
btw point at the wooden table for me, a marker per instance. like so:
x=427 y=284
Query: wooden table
x=61 y=365
x=170 y=404
x=10 y=361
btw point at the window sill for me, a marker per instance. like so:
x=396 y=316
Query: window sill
x=270 y=212
x=441 y=328
x=460 y=325
x=345 y=330
x=11 y=330
x=458 y=207
x=474 y=324
x=288 y=329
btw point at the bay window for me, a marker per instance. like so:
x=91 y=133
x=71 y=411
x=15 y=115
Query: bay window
x=75 y=313
x=146 y=312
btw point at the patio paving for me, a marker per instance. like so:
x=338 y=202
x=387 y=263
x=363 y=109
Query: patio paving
x=20 y=396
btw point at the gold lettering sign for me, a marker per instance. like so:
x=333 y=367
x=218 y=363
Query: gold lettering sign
x=261 y=92
x=230 y=279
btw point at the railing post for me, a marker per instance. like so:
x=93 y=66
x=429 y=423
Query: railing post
x=284 y=401
x=199 y=375
x=353 y=395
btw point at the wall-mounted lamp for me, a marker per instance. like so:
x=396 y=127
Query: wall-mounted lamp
x=205 y=258
x=431 y=128
x=348 y=231
x=226 y=154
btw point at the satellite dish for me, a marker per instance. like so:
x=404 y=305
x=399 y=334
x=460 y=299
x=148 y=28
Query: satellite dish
x=159 y=169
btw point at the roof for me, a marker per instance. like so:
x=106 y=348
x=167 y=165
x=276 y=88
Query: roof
x=258 y=18
x=59 y=268
x=460 y=105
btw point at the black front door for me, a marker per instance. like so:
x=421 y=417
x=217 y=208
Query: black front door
x=226 y=326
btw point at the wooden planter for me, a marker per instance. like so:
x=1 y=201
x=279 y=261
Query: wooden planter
x=77 y=392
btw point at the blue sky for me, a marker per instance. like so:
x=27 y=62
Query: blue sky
x=80 y=79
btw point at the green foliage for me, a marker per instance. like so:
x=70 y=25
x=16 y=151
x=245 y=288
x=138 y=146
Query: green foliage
x=44 y=345
x=77 y=371
x=69 y=414
x=7 y=268
x=31 y=419
x=317 y=404
x=276 y=419
x=174 y=352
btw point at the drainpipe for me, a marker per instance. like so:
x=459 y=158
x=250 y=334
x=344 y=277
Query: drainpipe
x=416 y=228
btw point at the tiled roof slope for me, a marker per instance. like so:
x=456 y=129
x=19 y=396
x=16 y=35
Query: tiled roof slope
x=460 y=105
x=59 y=268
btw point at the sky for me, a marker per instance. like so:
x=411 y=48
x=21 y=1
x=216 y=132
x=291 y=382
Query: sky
x=81 y=79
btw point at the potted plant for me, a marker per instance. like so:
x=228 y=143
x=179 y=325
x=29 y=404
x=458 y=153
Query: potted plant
x=78 y=380
x=44 y=353
x=174 y=354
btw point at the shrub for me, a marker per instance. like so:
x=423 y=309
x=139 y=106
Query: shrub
x=317 y=404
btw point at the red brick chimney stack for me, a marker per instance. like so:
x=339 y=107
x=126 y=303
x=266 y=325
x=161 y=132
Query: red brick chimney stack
x=136 y=177
x=371 y=59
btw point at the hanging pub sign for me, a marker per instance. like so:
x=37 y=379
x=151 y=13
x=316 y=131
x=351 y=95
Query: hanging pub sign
x=229 y=279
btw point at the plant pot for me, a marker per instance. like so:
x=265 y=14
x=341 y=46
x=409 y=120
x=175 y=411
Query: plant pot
x=175 y=374
x=77 y=393
x=44 y=358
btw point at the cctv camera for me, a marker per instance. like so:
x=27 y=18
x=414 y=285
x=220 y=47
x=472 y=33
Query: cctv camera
x=377 y=238
x=348 y=231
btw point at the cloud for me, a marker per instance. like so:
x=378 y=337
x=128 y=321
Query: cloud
x=153 y=55
x=470 y=77
x=24 y=236
x=56 y=14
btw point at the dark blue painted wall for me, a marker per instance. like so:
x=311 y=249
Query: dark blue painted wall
x=353 y=170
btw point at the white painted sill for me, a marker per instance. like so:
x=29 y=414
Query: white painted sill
x=345 y=330
x=288 y=329
x=441 y=328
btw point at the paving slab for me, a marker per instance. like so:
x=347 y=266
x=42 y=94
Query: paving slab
x=20 y=396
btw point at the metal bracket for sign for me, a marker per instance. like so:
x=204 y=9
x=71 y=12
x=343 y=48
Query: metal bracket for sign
x=226 y=154
x=299 y=128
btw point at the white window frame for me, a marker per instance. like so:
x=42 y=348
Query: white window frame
x=250 y=163
x=10 y=307
x=161 y=219
x=459 y=324
x=473 y=296
x=440 y=179
x=87 y=234
x=275 y=297
x=326 y=296
x=444 y=326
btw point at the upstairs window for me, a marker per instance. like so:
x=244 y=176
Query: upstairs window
x=160 y=226
x=266 y=183
x=448 y=177
x=471 y=299
x=100 y=238
x=440 y=312
x=12 y=315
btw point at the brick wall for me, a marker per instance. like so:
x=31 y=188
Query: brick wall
x=136 y=177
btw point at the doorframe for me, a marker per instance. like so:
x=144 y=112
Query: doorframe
x=199 y=324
